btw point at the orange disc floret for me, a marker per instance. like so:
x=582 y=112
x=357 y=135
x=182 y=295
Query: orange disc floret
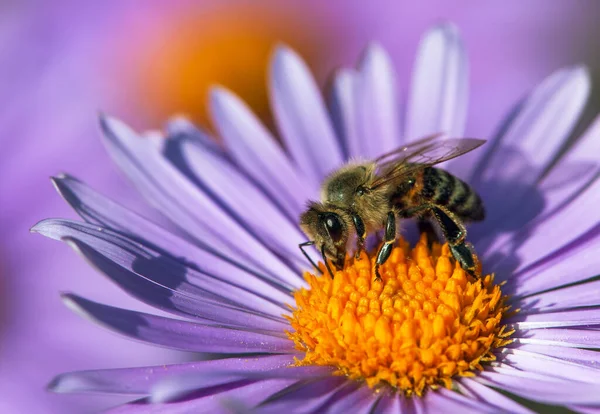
x=425 y=322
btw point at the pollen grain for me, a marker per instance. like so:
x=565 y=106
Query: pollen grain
x=424 y=323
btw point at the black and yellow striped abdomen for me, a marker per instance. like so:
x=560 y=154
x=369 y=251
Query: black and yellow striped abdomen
x=444 y=189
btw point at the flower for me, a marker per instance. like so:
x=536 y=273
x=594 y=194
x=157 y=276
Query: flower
x=225 y=261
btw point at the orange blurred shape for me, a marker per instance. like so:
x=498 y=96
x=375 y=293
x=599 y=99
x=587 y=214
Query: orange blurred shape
x=226 y=46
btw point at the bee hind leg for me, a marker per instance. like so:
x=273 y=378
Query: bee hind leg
x=455 y=234
x=386 y=248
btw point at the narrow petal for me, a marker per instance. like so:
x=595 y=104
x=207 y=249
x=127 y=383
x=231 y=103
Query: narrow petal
x=584 y=410
x=215 y=400
x=302 y=117
x=541 y=246
x=362 y=399
x=96 y=209
x=557 y=319
x=571 y=338
x=443 y=400
x=579 y=221
x=577 y=296
x=182 y=127
x=573 y=263
x=569 y=179
x=344 y=108
x=169 y=292
x=573 y=172
x=176 y=387
x=103 y=245
x=304 y=397
x=378 y=111
x=490 y=396
x=551 y=366
x=540 y=127
x=508 y=172
x=439 y=92
x=550 y=392
x=139 y=381
x=246 y=202
x=254 y=148
x=196 y=214
x=393 y=403
x=177 y=334
x=581 y=356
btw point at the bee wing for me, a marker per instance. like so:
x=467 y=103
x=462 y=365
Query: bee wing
x=420 y=154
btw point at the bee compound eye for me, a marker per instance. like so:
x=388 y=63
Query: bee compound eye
x=334 y=226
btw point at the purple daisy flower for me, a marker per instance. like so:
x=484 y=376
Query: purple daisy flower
x=223 y=256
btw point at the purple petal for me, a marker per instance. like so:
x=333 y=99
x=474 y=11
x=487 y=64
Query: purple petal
x=165 y=287
x=392 y=403
x=182 y=127
x=304 y=397
x=108 y=249
x=214 y=400
x=378 y=111
x=584 y=410
x=443 y=400
x=575 y=224
x=574 y=262
x=581 y=356
x=246 y=202
x=99 y=210
x=177 y=334
x=577 y=296
x=196 y=214
x=526 y=149
x=489 y=396
x=550 y=366
x=344 y=108
x=557 y=319
x=255 y=149
x=361 y=399
x=546 y=391
x=139 y=381
x=439 y=91
x=583 y=338
x=176 y=387
x=302 y=117
x=578 y=166
x=541 y=125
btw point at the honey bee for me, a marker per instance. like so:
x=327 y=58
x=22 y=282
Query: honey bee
x=365 y=197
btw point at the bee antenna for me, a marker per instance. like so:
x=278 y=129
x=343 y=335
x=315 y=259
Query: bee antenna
x=310 y=243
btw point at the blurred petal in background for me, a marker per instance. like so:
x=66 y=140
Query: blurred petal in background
x=62 y=62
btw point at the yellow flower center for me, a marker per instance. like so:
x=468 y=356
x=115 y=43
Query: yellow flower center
x=424 y=323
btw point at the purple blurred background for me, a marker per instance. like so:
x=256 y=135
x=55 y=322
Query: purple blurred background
x=61 y=63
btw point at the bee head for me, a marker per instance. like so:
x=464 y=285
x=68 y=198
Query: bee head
x=329 y=227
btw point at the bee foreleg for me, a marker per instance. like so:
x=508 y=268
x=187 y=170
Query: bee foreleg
x=361 y=234
x=386 y=248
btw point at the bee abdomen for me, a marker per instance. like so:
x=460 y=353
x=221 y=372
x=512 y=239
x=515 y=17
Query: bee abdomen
x=444 y=189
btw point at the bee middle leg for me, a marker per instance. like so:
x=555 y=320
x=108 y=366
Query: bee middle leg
x=386 y=248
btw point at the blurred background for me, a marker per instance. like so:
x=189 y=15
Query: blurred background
x=63 y=62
